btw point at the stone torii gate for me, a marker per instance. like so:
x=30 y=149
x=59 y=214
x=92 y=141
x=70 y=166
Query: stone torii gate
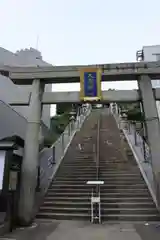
x=143 y=72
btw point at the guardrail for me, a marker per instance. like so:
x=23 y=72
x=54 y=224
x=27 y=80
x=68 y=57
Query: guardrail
x=141 y=152
x=50 y=158
x=97 y=149
x=138 y=138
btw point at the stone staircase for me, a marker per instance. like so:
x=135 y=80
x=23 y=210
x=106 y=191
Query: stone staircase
x=68 y=196
x=124 y=195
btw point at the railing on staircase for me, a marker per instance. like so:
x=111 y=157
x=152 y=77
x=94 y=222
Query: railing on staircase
x=95 y=194
x=98 y=150
x=50 y=158
x=141 y=151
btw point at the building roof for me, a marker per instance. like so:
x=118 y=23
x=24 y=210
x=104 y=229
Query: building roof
x=27 y=57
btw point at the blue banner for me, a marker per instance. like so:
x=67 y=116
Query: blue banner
x=90 y=84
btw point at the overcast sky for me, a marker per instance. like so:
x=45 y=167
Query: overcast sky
x=81 y=31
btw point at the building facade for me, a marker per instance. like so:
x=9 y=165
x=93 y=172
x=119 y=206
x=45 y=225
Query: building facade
x=26 y=57
x=13 y=120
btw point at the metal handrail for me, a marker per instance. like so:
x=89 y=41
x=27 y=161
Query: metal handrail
x=97 y=149
x=98 y=204
x=95 y=194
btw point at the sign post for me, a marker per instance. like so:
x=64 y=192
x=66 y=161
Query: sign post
x=90 y=84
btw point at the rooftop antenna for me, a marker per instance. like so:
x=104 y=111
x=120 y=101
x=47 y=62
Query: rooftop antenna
x=37 y=42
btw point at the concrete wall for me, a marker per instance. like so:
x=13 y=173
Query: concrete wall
x=150 y=52
x=8 y=89
x=13 y=123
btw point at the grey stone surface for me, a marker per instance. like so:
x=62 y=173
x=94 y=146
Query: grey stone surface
x=69 y=230
x=79 y=230
x=38 y=231
x=149 y=231
x=76 y=230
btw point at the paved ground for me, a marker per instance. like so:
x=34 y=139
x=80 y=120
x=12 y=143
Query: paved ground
x=73 y=230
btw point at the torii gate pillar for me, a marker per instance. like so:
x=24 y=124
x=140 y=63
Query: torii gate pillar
x=30 y=160
x=153 y=129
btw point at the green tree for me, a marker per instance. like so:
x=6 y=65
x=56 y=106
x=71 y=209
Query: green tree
x=135 y=115
x=67 y=107
x=63 y=107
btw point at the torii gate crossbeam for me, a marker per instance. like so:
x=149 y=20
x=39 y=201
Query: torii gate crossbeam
x=69 y=74
x=109 y=96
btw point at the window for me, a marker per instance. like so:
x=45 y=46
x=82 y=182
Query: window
x=157 y=55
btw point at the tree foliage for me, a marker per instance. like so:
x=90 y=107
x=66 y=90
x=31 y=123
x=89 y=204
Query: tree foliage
x=133 y=111
x=67 y=107
x=61 y=120
x=135 y=115
x=59 y=123
x=63 y=107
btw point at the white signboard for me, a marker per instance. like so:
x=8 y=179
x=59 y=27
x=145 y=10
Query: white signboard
x=2 y=163
x=95 y=199
x=95 y=182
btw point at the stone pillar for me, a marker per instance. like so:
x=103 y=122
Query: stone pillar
x=31 y=156
x=153 y=128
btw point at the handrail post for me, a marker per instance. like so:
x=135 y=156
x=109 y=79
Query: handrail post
x=97 y=154
x=95 y=196
x=97 y=149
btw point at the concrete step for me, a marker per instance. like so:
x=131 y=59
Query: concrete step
x=70 y=170
x=109 y=176
x=63 y=216
x=105 y=168
x=107 y=199
x=104 y=173
x=116 y=182
x=105 y=179
x=84 y=163
x=104 y=161
x=69 y=194
x=118 y=195
x=145 y=217
x=103 y=204
x=87 y=166
x=109 y=159
x=92 y=164
x=117 y=210
x=106 y=186
x=106 y=217
x=82 y=191
x=80 y=166
x=80 y=156
x=74 y=174
x=76 y=162
x=115 y=171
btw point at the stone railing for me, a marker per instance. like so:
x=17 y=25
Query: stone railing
x=140 y=150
